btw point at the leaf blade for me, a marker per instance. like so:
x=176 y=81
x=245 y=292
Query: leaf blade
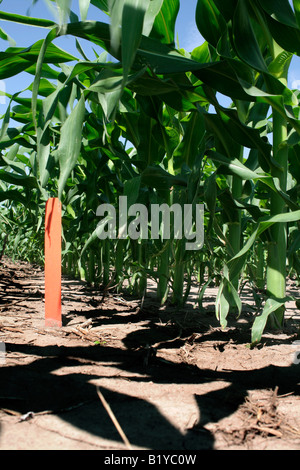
x=70 y=143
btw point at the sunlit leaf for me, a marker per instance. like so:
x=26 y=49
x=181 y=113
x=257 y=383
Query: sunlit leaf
x=164 y=24
x=70 y=144
x=84 y=7
x=260 y=321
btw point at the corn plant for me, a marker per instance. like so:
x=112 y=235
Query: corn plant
x=259 y=39
x=143 y=119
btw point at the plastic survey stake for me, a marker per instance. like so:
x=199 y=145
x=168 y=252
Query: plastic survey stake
x=53 y=263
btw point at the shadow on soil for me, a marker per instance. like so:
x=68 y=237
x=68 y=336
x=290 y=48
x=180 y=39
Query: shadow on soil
x=36 y=387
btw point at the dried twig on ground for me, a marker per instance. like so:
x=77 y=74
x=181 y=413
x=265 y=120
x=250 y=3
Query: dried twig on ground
x=261 y=417
x=114 y=419
x=86 y=333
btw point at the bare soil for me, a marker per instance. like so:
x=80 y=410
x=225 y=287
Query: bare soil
x=121 y=373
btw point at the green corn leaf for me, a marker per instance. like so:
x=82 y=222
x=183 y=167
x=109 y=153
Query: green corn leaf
x=18 y=180
x=260 y=321
x=202 y=292
x=245 y=135
x=115 y=13
x=178 y=101
x=276 y=89
x=40 y=22
x=6 y=37
x=296 y=4
x=149 y=149
x=287 y=37
x=43 y=154
x=107 y=81
x=224 y=142
x=132 y=27
x=281 y=11
x=53 y=54
x=210 y=193
x=80 y=50
x=224 y=78
x=280 y=65
x=236 y=301
x=49 y=109
x=201 y=53
x=210 y=22
x=282 y=23
x=236 y=263
x=286 y=217
x=109 y=86
x=101 y=4
x=70 y=143
x=84 y=8
x=15 y=59
x=86 y=66
x=156 y=177
x=227 y=298
x=226 y=7
x=245 y=41
x=13 y=195
x=16 y=166
x=95 y=235
x=166 y=60
x=12 y=137
x=40 y=60
x=47 y=71
x=94 y=31
x=152 y=11
x=294 y=160
x=164 y=24
x=5 y=122
x=12 y=66
x=150 y=86
x=281 y=103
x=109 y=102
x=63 y=7
x=188 y=148
x=132 y=189
x=171 y=140
x=235 y=167
x=222 y=303
x=295 y=244
x=46 y=88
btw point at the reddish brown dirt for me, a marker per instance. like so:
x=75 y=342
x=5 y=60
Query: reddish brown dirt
x=173 y=379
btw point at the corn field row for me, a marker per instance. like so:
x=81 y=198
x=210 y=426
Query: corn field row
x=143 y=119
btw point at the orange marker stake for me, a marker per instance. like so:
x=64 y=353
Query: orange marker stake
x=53 y=263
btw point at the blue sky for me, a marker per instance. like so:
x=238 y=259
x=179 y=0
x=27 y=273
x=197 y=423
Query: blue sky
x=188 y=35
